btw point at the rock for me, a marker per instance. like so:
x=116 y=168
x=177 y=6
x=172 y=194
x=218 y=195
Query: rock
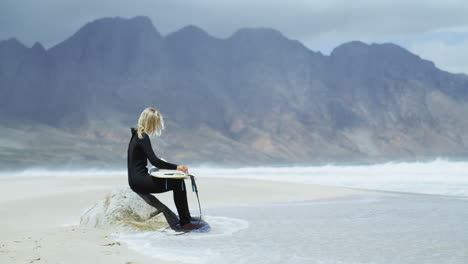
x=127 y=211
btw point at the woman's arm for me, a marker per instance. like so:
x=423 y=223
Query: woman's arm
x=146 y=145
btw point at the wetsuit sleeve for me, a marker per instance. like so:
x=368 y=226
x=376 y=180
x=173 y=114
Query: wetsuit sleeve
x=146 y=145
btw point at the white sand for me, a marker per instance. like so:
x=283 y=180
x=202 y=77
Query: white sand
x=40 y=216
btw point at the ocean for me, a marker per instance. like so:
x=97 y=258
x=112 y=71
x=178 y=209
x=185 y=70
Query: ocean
x=436 y=177
x=384 y=228
x=367 y=229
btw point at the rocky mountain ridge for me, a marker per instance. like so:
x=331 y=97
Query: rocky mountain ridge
x=253 y=98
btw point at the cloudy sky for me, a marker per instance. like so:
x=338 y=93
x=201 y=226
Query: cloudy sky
x=434 y=29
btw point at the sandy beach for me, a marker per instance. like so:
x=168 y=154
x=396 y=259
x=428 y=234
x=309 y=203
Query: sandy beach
x=41 y=214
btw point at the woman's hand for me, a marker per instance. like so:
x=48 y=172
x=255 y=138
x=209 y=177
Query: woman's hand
x=182 y=168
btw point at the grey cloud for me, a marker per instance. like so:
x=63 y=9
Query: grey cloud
x=312 y=22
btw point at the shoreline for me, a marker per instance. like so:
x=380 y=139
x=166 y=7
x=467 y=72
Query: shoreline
x=42 y=213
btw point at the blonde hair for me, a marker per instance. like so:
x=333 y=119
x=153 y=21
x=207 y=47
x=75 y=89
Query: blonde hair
x=150 y=122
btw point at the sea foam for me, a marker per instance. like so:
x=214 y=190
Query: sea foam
x=172 y=245
x=436 y=177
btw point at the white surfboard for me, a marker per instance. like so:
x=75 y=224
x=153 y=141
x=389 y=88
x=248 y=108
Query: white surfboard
x=168 y=174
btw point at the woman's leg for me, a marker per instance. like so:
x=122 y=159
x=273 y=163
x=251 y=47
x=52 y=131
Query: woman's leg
x=180 y=200
x=180 y=196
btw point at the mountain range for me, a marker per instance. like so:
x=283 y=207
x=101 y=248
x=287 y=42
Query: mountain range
x=254 y=98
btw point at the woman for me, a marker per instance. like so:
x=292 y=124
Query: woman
x=140 y=150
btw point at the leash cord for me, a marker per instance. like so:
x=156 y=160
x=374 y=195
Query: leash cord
x=195 y=189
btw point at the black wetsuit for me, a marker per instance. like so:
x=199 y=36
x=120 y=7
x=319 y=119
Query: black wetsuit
x=139 y=151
